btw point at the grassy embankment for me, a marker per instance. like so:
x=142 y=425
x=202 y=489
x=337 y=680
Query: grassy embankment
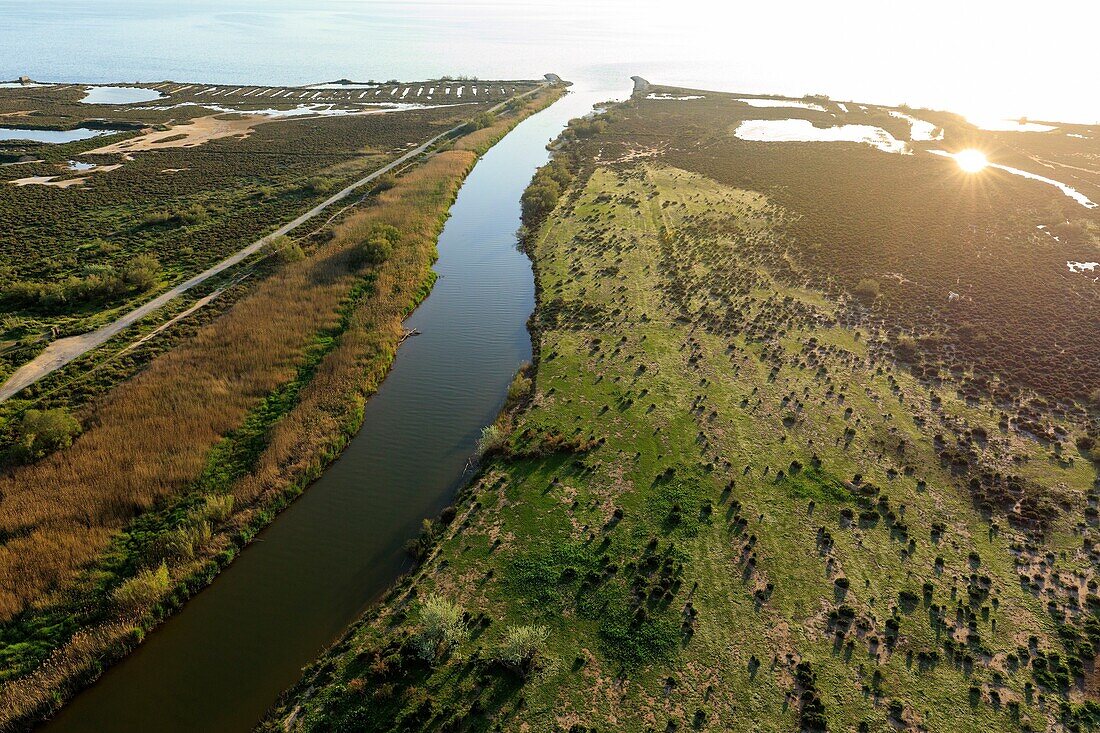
x=183 y=464
x=721 y=507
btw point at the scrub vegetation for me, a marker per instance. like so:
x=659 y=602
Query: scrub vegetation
x=72 y=259
x=737 y=490
x=178 y=467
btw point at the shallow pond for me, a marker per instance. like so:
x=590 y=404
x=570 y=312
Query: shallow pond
x=793 y=130
x=120 y=95
x=50 y=136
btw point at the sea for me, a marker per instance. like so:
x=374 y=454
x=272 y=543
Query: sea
x=991 y=59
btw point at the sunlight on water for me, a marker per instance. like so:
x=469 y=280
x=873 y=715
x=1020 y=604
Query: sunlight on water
x=763 y=48
x=783 y=131
x=971 y=161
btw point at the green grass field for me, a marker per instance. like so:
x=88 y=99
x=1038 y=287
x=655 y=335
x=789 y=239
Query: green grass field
x=728 y=509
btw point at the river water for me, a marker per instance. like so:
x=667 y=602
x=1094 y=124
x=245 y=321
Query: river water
x=220 y=663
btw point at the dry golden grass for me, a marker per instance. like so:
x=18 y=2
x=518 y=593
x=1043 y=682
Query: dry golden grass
x=150 y=438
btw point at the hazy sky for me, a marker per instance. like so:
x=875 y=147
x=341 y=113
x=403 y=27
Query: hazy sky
x=1011 y=58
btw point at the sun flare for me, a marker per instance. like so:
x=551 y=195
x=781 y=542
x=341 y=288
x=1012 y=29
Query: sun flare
x=971 y=161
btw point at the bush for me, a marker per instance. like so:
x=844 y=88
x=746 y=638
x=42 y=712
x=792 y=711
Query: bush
x=523 y=648
x=480 y=122
x=285 y=250
x=493 y=439
x=143 y=590
x=867 y=290
x=384 y=182
x=377 y=246
x=538 y=201
x=186 y=542
x=98 y=284
x=318 y=185
x=43 y=431
x=442 y=628
x=218 y=508
x=542 y=195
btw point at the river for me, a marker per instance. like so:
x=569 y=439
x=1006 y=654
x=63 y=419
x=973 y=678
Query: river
x=222 y=660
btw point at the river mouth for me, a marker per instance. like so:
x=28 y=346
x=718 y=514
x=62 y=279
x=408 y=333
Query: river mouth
x=220 y=663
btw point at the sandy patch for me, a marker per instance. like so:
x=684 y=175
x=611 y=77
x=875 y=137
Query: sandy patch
x=66 y=182
x=48 y=181
x=196 y=132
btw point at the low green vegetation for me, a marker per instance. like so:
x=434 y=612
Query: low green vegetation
x=724 y=502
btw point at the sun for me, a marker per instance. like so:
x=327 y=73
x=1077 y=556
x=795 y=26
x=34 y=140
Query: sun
x=971 y=160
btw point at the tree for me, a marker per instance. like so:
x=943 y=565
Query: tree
x=44 y=431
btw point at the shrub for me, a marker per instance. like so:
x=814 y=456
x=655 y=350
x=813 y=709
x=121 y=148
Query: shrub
x=185 y=542
x=285 y=250
x=442 y=628
x=867 y=290
x=218 y=508
x=142 y=590
x=539 y=200
x=377 y=246
x=98 y=284
x=523 y=648
x=493 y=439
x=318 y=185
x=480 y=122
x=384 y=182
x=44 y=431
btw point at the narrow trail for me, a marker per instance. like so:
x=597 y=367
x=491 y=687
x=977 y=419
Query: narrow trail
x=63 y=351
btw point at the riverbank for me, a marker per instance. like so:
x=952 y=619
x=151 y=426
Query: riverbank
x=725 y=504
x=343 y=331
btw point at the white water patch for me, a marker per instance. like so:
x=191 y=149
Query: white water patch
x=843 y=107
x=1076 y=135
x=335 y=85
x=752 y=102
x=919 y=130
x=803 y=131
x=301 y=110
x=120 y=95
x=1067 y=190
x=993 y=124
x=1082 y=266
x=673 y=96
x=50 y=136
x=21 y=85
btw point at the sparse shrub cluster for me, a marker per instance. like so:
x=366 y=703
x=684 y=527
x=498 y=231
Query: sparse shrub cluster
x=98 y=285
x=543 y=193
